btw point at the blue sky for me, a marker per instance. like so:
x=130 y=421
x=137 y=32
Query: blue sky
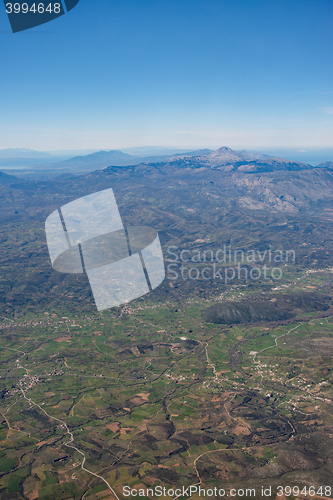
x=186 y=73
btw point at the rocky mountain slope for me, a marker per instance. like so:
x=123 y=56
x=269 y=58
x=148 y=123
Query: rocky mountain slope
x=267 y=184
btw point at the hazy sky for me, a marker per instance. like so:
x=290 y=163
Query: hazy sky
x=187 y=73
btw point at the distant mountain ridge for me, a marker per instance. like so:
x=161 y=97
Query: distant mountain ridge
x=257 y=184
x=102 y=159
x=223 y=158
x=115 y=157
x=99 y=156
x=23 y=153
x=226 y=155
x=192 y=182
x=229 y=160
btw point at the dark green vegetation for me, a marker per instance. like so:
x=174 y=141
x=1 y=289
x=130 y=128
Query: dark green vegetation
x=155 y=392
x=268 y=307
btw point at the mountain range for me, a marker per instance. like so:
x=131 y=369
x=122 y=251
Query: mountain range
x=31 y=162
x=223 y=158
x=233 y=179
x=102 y=159
x=23 y=153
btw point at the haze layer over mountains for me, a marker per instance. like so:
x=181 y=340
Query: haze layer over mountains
x=22 y=160
x=234 y=179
